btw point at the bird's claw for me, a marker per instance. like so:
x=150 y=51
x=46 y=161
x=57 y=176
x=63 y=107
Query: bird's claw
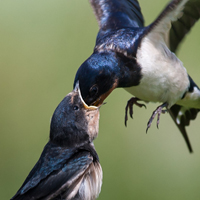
x=129 y=106
x=157 y=112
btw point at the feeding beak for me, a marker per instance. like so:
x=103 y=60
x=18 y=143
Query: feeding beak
x=100 y=100
x=94 y=107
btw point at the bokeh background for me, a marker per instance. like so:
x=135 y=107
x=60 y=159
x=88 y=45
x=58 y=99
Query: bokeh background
x=42 y=44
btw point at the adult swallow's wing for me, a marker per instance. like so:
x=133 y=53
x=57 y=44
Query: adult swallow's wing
x=179 y=28
x=115 y=14
x=175 y=21
x=57 y=169
x=171 y=26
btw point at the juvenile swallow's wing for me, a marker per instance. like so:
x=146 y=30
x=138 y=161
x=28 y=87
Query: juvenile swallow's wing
x=58 y=171
x=115 y=14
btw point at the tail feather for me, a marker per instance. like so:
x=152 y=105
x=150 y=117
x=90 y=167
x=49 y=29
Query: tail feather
x=182 y=116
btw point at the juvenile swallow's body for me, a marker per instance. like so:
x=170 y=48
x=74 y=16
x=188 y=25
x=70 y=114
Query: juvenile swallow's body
x=69 y=167
x=142 y=59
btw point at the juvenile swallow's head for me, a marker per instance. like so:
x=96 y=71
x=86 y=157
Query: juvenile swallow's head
x=73 y=121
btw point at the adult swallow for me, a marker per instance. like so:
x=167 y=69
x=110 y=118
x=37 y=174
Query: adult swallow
x=68 y=167
x=142 y=59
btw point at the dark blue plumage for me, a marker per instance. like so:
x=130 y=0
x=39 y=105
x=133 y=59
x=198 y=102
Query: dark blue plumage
x=68 y=167
x=141 y=59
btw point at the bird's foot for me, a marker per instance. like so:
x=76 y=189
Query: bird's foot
x=157 y=112
x=129 y=106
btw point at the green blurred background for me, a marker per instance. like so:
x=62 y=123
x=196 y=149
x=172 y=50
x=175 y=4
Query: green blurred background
x=42 y=44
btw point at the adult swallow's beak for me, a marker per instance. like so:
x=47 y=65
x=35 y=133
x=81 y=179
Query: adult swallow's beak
x=77 y=89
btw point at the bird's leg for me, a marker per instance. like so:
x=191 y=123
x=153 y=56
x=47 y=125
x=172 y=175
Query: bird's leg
x=129 y=106
x=157 y=112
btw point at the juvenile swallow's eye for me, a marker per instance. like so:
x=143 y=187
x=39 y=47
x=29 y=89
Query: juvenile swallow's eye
x=75 y=107
x=93 y=90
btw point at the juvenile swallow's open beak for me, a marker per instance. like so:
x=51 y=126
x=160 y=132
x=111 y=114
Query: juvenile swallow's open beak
x=77 y=88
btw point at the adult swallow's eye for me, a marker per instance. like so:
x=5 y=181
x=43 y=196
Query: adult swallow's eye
x=93 y=90
x=76 y=108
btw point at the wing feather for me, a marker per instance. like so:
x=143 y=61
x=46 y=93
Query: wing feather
x=115 y=14
x=54 y=172
x=191 y=14
x=175 y=21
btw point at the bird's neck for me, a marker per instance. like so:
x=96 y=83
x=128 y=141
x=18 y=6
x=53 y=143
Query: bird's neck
x=68 y=137
x=129 y=73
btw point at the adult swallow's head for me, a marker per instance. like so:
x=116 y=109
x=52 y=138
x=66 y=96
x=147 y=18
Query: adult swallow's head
x=97 y=77
x=73 y=122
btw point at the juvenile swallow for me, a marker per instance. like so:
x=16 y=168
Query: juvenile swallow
x=68 y=168
x=141 y=59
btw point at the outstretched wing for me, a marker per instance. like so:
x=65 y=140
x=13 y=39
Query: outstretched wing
x=180 y=27
x=175 y=21
x=53 y=173
x=114 y=14
x=182 y=116
x=170 y=27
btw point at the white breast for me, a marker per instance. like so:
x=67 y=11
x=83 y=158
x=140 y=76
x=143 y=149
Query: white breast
x=164 y=79
x=91 y=184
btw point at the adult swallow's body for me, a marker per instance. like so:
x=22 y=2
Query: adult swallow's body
x=141 y=59
x=69 y=167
